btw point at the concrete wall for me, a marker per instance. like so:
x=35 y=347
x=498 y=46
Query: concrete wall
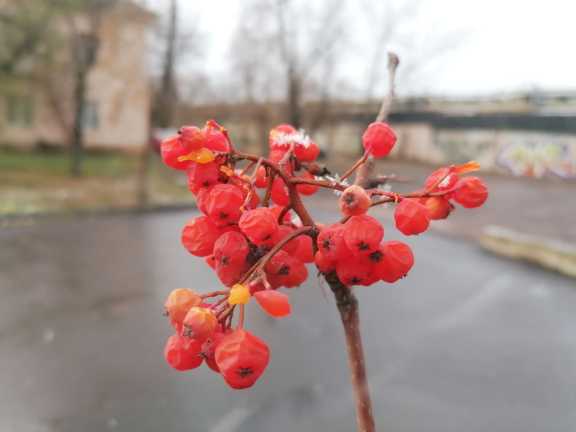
x=534 y=153
x=527 y=153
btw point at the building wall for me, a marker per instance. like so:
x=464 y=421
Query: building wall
x=118 y=96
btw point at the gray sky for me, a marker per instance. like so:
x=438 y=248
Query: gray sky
x=502 y=45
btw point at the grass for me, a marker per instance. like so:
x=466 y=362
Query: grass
x=36 y=182
x=57 y=164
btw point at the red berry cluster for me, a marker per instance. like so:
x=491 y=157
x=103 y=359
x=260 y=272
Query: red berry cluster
x=255 y=248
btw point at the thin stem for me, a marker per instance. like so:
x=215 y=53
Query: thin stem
x=354 y=167
x=349 y=314
x=215 y=294
x=268 y=193
x=320 y=183
x=393 y=62
x=241 y=317
x=283 y=213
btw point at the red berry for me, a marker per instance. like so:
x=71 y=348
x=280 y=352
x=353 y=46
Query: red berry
x=256 y=286
x=223 y=204
x=259 y=225
x=274 y=303
x=306 y=189
x=209 y=348
x=379 y=139
x=214 y=137
x=202 y=199
x=285 y=270
x=172 y=149
x=276 y=155
x=441 y=180
x=231 y=247
x=307 y=152
x=279 y=193
x=396 y=262
x=292 y=246
x=331 y=243
x=202 y=175
x=192 y=137
x=411 y=217
x=182 y=353
x=324 y=263
x=277 y=135
x=199 y=236
x=354 y=201
x=305 y=250
x=211 y=261
x=356 y=270
x=470 y=192
x=230 y=253
x=241 y=358
x=178 y=304
x=363 y=234
x=438 y=207
x=261 y=180
x=200 y=323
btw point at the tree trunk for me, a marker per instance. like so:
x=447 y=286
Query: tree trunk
x=77 y=138
x=294 y=99
x=165 y=107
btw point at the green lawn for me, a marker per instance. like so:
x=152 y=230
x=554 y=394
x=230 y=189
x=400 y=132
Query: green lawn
x=57 y=164
x=35 y=182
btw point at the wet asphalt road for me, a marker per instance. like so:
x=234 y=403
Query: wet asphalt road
x=468 y=342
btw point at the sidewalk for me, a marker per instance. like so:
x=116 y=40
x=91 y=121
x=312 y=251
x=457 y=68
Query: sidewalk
x=538 y=207
x=524 y=218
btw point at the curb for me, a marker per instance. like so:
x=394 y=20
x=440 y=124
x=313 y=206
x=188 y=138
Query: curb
x=551 y=254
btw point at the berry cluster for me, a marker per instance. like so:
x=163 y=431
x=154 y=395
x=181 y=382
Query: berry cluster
x=257 y=242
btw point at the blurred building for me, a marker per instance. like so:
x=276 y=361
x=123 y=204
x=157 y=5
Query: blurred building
x=118 y=90
x=525 y=134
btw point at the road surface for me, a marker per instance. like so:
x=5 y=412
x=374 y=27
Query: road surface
x=468 y=342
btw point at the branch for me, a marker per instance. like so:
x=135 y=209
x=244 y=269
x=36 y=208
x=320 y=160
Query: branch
x=295 y=200
x=349 y=314
x=365 y=170
x=393 y=62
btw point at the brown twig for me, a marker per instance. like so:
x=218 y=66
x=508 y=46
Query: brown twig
x=346 y=301
x=283 y=213
x=354 y=167
x=393 y=62
x=320 y=183
x=349 y=314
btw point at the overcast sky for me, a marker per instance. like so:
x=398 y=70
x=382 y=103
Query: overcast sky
x=501 y=45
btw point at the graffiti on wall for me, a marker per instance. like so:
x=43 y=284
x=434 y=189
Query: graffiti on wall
x=539 y=157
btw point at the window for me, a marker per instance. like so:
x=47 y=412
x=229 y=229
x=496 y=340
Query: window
x=91 y=117
x=19 y=110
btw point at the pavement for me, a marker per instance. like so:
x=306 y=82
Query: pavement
x=467 y=342
x=524 y=218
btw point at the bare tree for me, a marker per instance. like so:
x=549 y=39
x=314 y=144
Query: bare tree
x=284 y=53
x=400 y=25
x=166 y=92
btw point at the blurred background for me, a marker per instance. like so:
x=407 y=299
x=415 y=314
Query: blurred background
x=481 y=336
